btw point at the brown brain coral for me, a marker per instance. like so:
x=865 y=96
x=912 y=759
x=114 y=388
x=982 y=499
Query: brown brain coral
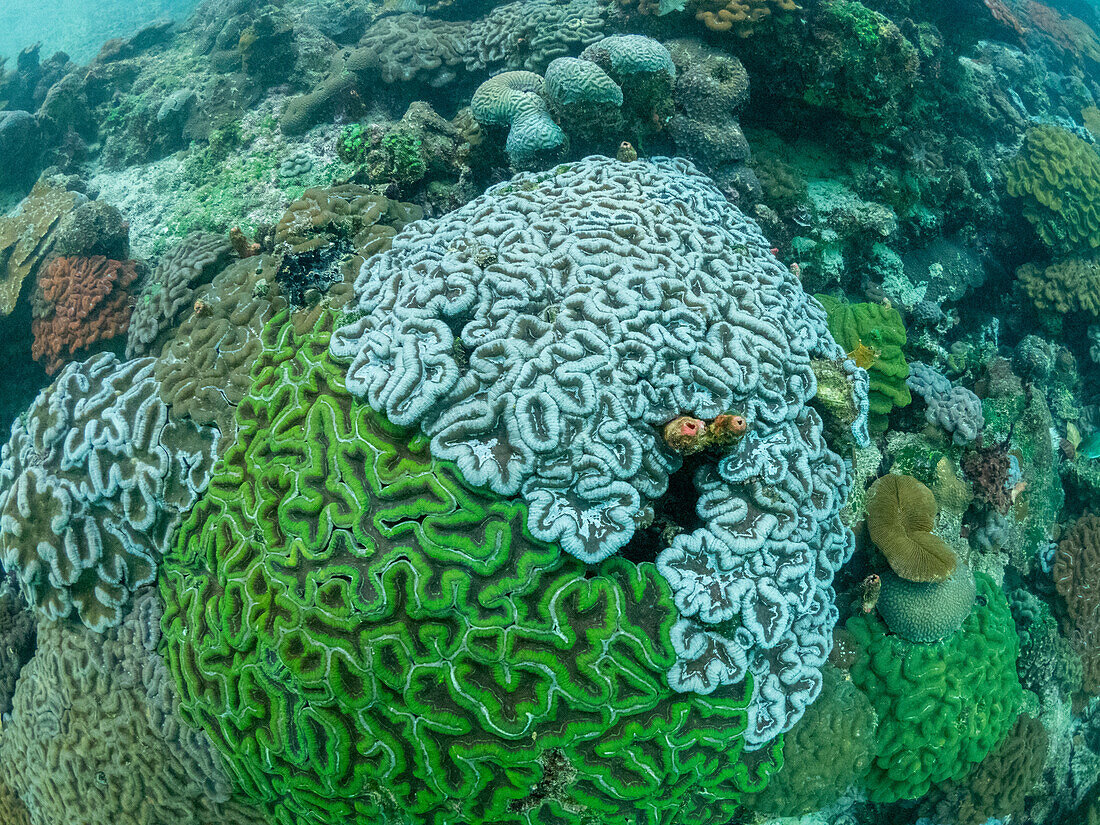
x=80 y=301
x=95 y=735
x=901 y=513
x=738 y=16
x=1075 y=573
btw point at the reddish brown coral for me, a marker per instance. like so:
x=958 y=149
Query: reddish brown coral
x=988 y=469
x=1076 y=571
x=80 y=301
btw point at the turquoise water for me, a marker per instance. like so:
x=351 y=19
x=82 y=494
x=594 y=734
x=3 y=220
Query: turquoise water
x=550 y=412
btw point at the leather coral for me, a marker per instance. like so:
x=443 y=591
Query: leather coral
x=80 y=301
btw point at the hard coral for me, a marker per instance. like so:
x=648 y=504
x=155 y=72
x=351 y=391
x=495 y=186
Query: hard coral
x=901 y=513
x=942 y=707
x=1070 y=285
x=1075 y=573
x=80 y=301
x=424 y=659
x=1056 y=175
x=988 y=468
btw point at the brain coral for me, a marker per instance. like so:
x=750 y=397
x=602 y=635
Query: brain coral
x=956 y=410
x=941 y=707
x=515 y=100
x=79 y=301
x=1075 y=571
x=926 y=611
x=827 y=752
x=95 y=736
x=620 y=296
x=92 y=484
x=204 y=369
x=1057 y=177
x=193 y=262
x=873 y=335
x=366 y=638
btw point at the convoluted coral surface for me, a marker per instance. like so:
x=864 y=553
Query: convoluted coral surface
x=94 y=479
x=540 y=334
x=366 y=638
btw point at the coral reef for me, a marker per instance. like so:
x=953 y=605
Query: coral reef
x=542 y=369
x=515 y=100
x=944 y=707
x=477 y=673
x=92 y=484
x=193 y=262
x=80 y=301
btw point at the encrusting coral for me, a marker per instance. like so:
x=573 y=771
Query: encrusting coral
x=80 y=301
x=901 y=514
x=367 y=638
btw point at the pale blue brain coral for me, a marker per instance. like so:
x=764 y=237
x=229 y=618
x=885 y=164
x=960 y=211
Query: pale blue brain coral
x=570 y=80
x=623 y=55
x=956 y=410
x=541 y=334
x=515 y=99
x=93 y=482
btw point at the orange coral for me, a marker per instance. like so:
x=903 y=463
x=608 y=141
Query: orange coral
x=80 y=301
x=724 y=15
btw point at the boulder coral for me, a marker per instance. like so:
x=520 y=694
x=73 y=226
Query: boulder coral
x=366 y=637
x=92 y=484
x=614 y=298
x=80 y=301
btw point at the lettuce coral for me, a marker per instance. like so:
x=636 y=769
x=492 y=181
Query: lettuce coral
x=1070 y=285
x=541 y=335
x=80 y=301
x=942 y=707
x=92 y=484
x=367 y=638
x=1057 y=178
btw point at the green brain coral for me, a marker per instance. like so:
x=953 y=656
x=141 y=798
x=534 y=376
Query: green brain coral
x=873 y=335
x=1057 y=177
x=367 y=639
x=942 y=707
